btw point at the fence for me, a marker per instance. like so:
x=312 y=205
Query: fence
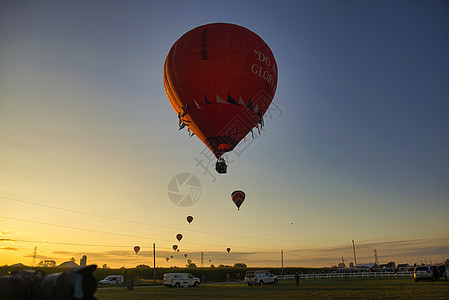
x=349 y=275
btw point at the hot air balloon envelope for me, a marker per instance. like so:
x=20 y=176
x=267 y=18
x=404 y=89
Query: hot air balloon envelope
x=238 y=197
x=136 y=249
x=189 y=219
x=175 y=247
x=220 y=79
x=228 y=249
x=179 y=237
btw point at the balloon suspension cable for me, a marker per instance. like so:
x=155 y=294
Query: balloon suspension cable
x=221 y=166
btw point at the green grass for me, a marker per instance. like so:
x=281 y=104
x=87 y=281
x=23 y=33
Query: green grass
x=369 y=288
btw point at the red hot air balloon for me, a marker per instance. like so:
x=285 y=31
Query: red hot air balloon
x=179 y=237
x=220 y=79
x=175 y=247
x=189 y=219
x=228 y=249
x=238 y=197
x=136 y=249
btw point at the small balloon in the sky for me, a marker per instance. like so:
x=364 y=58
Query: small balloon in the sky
x=177 y=250
x=228 y=249
x=238 y=197
x=179 y=237
x=136 y=249
x=291 y=223
x=167 y=259
x=171 y=257
x=189 y=219
x=185 y=255
x=210 y=260
x=175 y=247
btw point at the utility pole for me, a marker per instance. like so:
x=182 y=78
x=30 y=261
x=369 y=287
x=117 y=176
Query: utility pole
x=355 y=259
x=154 y=262
x=202 y=265
x=34 y=256
x=376 y=259
x=282 y=261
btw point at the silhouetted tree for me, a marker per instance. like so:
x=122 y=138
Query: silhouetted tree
x=239 y=265
x=143 y=267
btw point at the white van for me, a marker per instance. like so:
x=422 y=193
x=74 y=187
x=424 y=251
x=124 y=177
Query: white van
x=112 y=279
x=180 y=279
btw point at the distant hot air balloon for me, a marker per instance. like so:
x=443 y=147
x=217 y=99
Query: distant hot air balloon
x=179 y=237
x=136 y=249
x=228 y=249
x=185 y=255
x=175 y=247
x=167 y=259
x=220 y=79
x=210 y=260
x=171 y=256
x=238 y=197
x=177 y=250
x=189 y=219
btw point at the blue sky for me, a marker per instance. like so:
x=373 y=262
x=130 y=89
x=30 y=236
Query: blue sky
x=356 y=146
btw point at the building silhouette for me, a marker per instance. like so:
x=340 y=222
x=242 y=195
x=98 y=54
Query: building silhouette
x=83 y=261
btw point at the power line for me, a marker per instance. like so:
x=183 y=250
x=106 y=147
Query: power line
x=308 y=257
x=114 y=233
x=144 y=223
x=78 y=244
x=83 y=229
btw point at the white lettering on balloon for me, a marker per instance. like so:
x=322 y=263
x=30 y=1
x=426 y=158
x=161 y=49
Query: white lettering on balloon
x=262 y=69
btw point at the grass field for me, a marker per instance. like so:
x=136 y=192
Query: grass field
x=369 y=288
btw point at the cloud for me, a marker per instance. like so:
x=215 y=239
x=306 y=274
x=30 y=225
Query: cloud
x=400 y=250
x=66 y=253
x=38 y=256
x=9 y=248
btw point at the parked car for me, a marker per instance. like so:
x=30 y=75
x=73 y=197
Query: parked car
x=112 y=279
x=260 y=277
x=180 y=279
x=424 y=272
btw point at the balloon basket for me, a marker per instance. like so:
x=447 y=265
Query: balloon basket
x=221 y=166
